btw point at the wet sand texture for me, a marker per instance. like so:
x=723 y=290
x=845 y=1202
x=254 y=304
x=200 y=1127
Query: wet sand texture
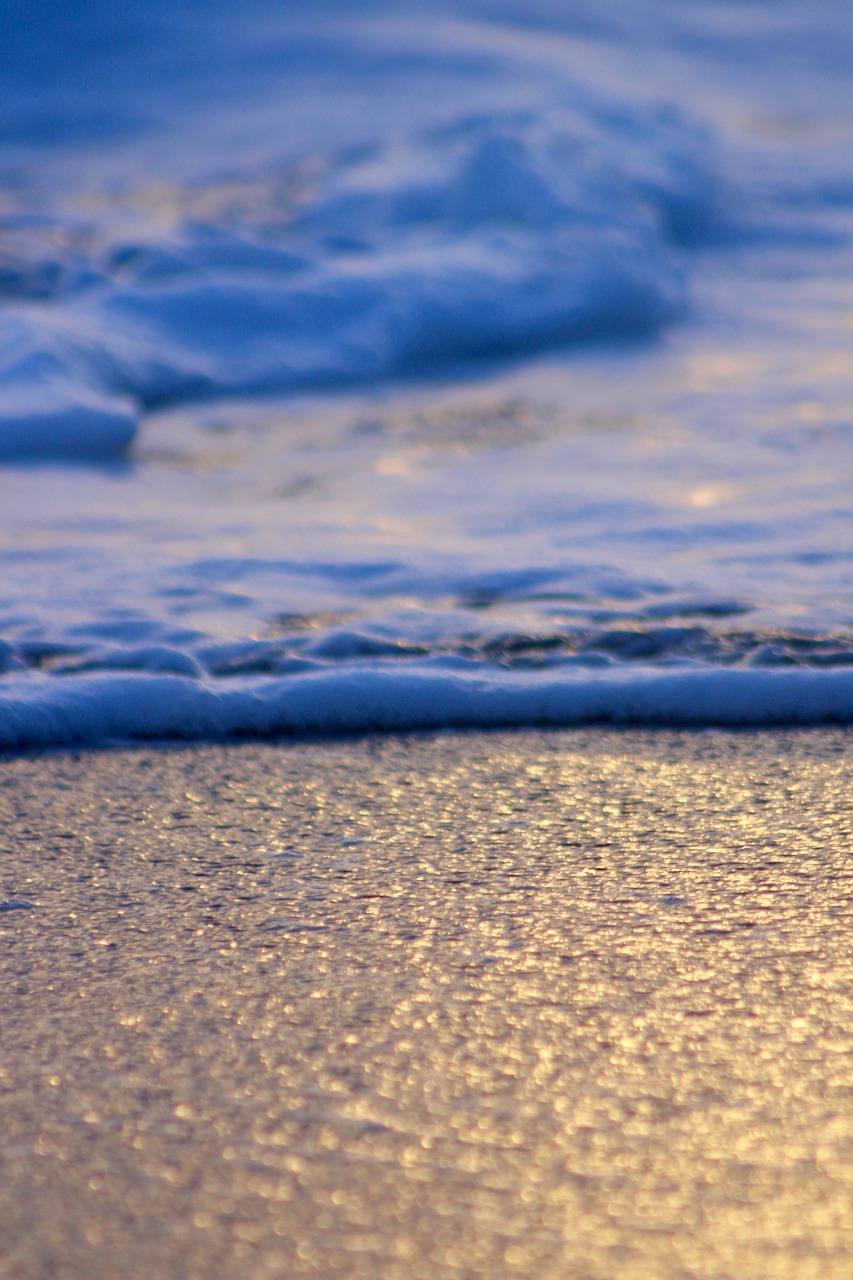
x=573 y=1005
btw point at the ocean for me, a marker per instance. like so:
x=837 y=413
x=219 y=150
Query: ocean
x=380 y=366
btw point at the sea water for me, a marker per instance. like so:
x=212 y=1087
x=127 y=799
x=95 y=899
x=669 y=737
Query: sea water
x=374 y=365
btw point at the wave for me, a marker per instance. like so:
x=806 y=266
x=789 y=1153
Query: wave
x=100 y=709
x=365 y=236
x=498 y=235
x=339 y=678
x=306 y=642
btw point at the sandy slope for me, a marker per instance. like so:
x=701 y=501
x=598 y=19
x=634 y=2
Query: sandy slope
x=571 y=1005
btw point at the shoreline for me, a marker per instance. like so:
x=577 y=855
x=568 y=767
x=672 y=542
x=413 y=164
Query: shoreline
x=417 y=733
x=558 y=1003
x=361 y=698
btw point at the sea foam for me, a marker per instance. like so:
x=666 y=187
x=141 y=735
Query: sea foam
x=362 y=698
x=500 y=236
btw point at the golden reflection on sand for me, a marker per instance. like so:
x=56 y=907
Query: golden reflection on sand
x=557 y=1005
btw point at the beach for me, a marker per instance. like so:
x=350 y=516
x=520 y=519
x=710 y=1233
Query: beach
x=426 y=640
x=564 y=1004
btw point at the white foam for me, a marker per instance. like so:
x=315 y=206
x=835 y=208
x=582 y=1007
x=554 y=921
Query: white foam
x=96 y=709
x=339 y=221
x=504 y=235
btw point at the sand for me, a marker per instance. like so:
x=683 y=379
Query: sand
x=570 y=1005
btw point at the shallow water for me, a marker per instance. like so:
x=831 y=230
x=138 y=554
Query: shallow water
x=385 y=368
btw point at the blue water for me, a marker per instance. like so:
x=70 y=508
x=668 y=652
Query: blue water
x=394 y=365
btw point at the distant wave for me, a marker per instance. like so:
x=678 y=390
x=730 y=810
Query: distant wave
x=500 y=235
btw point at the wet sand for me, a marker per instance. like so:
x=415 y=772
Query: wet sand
x=545 y=1005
